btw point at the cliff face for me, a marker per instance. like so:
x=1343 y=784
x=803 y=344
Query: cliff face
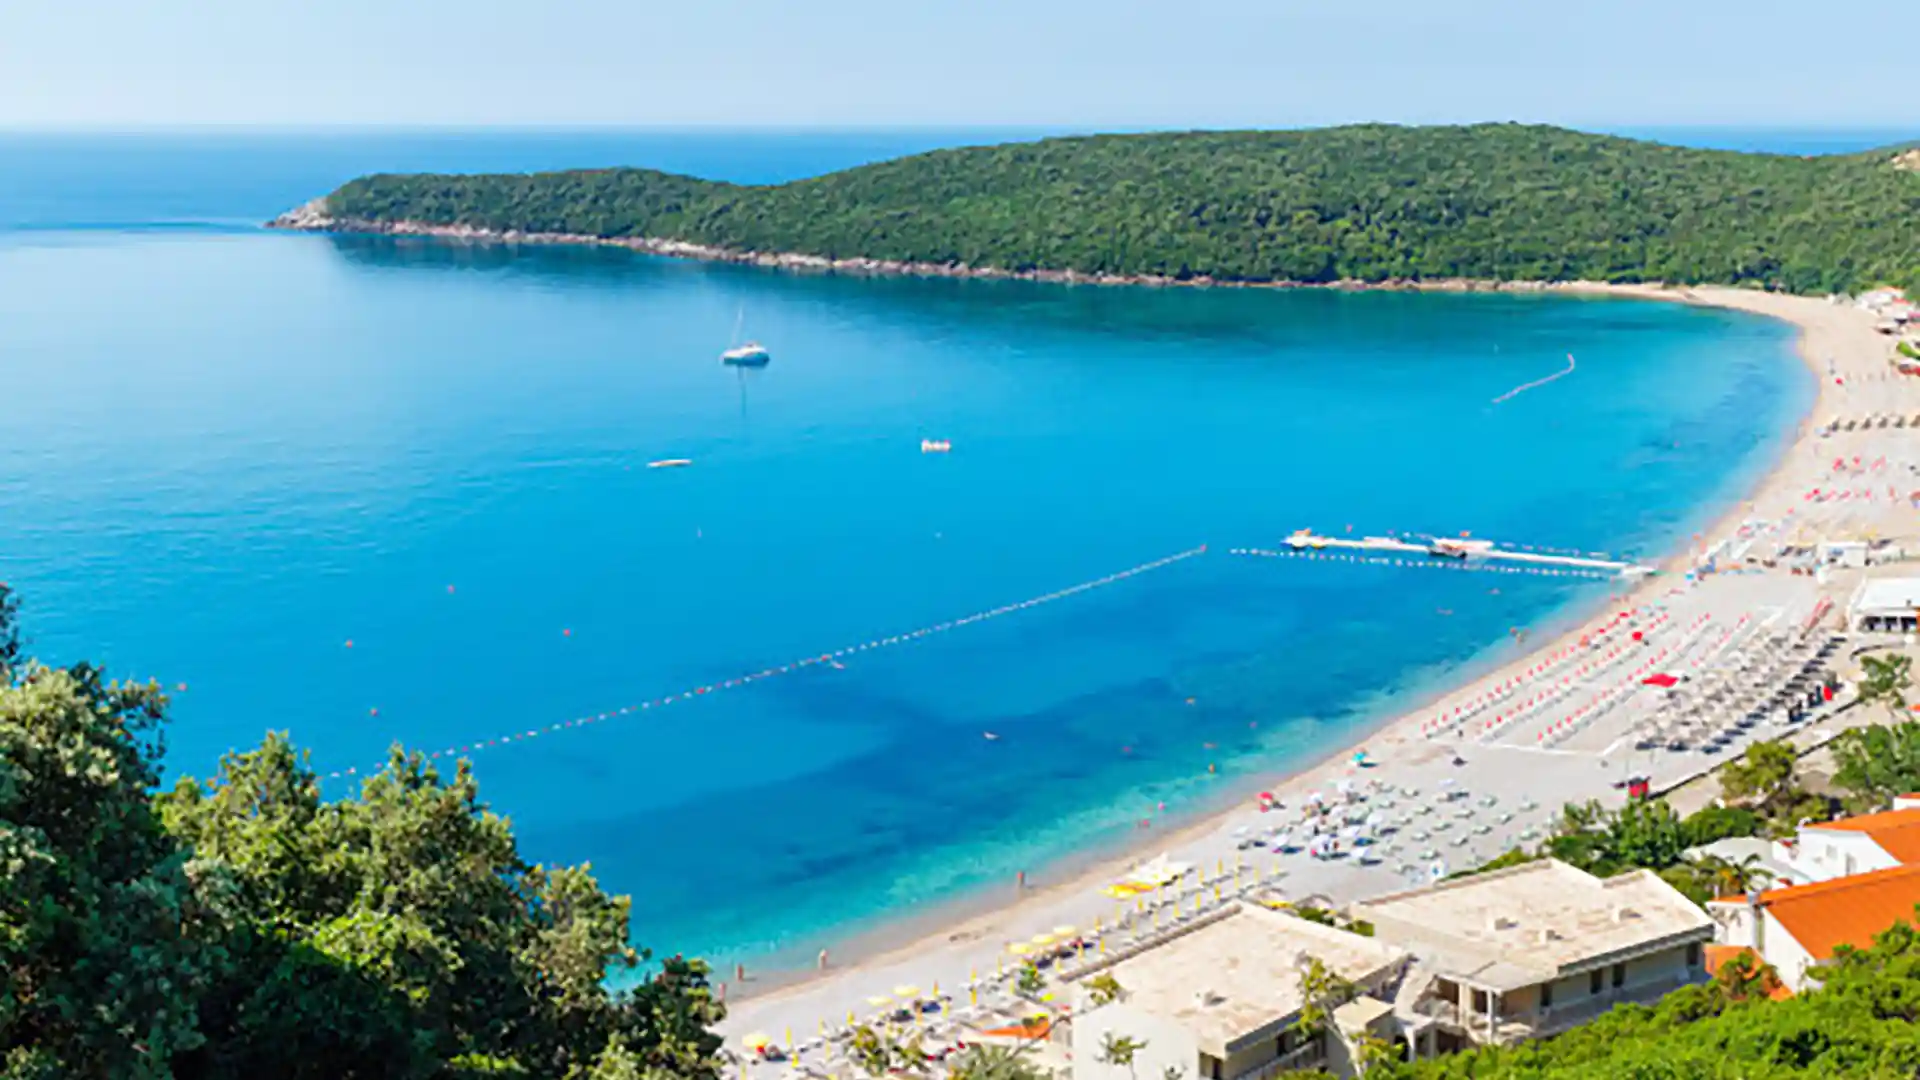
x=311 y=217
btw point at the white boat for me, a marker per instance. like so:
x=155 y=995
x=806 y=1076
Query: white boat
x=1459 y=549
x=751 y=354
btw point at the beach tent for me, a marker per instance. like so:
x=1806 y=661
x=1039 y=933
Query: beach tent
x=1661 y=679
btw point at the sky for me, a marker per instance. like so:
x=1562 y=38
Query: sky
x=892 y=63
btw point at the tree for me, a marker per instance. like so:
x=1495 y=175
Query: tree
x=1120 y=1050
x=1322 y=990
x=110 y=932
x=1743 y=977
x=1373 y=1054
x=1710 y=823
x=1706 y=877
x=1643 y=833
x=1874 y=764
x=871 y=1050
x=9 y=633
x=988 y=1061
x=243 y=927
x=1029 y=981
x=1104 y=989
x=1766 y=778
x=1885 y=680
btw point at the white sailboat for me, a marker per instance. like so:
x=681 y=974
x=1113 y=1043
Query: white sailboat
x=748 y=354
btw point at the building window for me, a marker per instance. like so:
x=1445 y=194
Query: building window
x=1619 y=976
x=1546 y=995
x=1693 y=954
x=1593 y=981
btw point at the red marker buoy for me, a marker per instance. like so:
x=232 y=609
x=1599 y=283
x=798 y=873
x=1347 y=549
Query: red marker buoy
x=373 y=712
x=349 y=643
x=566 y=633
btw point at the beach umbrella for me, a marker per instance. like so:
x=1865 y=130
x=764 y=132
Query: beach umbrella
x=1019 y=948
x=1041 y=940
x=906 y=992
x=756 y=1041
x=879 y=1000
x=1065 y=931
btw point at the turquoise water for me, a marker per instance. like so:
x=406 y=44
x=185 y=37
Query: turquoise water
x=228 y=453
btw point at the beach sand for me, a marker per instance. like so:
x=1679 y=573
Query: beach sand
x=1526 y=770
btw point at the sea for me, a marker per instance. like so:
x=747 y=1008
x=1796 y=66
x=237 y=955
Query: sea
x=375 y=492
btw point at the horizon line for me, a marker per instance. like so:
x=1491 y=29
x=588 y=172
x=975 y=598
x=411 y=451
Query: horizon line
x=421 y=128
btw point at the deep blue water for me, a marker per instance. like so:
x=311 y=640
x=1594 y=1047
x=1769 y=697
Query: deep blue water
x=227 y=453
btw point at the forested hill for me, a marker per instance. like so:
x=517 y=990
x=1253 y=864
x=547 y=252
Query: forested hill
x=1374 y=202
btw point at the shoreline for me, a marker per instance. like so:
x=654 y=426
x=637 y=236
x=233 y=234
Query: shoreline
x=312 y=218
x=919 y=939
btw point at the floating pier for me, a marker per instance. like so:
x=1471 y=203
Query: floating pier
x=1462 y=550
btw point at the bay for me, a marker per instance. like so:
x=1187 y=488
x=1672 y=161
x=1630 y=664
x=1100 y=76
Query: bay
x=226 y=454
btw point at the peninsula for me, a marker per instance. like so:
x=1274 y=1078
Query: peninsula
x=1368 y=204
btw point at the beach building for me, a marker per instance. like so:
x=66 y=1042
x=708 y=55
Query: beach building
x=1797 y=928
x=1885 y=605
x=1220 y=1002
x=1532 y=950
x=1855 y=845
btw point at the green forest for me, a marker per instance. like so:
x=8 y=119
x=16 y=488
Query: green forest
x=1365 y=203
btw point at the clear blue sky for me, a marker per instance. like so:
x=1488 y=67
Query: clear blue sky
x=1082 y=63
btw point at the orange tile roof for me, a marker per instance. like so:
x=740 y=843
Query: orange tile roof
x=1720 y=954
x=1846 y=910
x=1896 y=831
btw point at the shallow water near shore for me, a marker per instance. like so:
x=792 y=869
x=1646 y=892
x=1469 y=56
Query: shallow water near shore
x=230 y=453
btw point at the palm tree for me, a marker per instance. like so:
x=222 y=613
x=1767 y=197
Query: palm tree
x=1120 y=1050
x=1731 y=877
x=987 y=1061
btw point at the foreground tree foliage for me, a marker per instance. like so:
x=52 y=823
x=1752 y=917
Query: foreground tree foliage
x=243 y=927
x=1369 y=203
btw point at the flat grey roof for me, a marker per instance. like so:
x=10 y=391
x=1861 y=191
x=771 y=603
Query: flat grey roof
x=1233 y=978
x=1525 y=924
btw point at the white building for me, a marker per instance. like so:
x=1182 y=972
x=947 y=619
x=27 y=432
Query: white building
x=1797 y=928
x=1533 y=950
x=1220 y=1002
x=1890 y=605
x=1855 y=845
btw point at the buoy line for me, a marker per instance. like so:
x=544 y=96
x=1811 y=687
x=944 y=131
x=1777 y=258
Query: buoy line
x=1537 y=383
x=797 y=665
x=1430 y=564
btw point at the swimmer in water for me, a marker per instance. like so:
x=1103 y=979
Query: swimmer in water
x=989 y=736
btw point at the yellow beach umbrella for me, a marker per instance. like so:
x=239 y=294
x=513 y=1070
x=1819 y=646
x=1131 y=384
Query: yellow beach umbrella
x=1019 y=948
x=756 y=1041
x=878 y=1000
x=1042 y=940
x=1065 y=931
x=906 y=991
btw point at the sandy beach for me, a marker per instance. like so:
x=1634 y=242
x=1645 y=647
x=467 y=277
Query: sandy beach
x=1509 y=748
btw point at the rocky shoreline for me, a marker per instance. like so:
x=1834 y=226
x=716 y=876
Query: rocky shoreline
x=313 y=217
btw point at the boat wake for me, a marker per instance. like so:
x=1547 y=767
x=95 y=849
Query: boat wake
x=1537 y=383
